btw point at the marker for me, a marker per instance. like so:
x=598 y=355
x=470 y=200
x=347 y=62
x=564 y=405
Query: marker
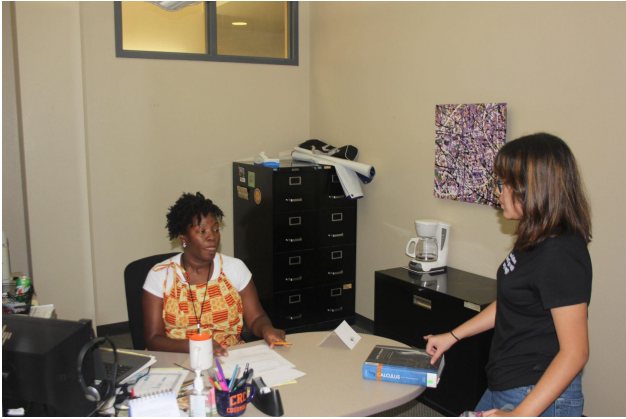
x=217 y=386
x=220 y=374
x=233 y=378
x=282 y=343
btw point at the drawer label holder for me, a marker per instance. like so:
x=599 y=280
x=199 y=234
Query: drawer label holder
x=471 y=306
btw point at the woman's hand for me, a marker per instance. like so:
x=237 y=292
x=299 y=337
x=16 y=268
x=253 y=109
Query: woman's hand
x=271 y=335
x=498 y=413
x=218 y=350
x=438 y=344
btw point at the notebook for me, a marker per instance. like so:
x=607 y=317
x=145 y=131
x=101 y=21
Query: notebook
x=157 y=405
x=160 y=380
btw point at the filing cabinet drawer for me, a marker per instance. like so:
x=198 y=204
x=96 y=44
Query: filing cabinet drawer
x=336 y=264
x=294 y=270
x=294 y=231
x=336 y=227
x=293 y=309
x=294 y=191
x=330 y=194
x=335 y=301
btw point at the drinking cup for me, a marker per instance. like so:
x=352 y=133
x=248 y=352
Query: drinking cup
x=201 y=352
x=234 y=403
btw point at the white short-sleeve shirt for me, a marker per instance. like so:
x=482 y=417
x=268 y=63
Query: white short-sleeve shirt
x=235 y=270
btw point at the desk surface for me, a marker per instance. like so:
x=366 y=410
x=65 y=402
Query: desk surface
x=333 y=384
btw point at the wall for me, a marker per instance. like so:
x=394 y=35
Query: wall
x=13 y=211
x=156 y=128
x=379 y=69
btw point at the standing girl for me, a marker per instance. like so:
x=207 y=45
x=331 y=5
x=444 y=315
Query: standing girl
x=540 y=342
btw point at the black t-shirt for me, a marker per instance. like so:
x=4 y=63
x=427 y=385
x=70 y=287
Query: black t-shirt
x=556 y=273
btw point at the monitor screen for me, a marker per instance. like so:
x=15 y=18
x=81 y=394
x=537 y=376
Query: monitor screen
x=39 y=366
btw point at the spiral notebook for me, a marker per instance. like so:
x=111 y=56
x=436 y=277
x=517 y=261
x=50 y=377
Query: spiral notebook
x=160 y=380
x=155 y=405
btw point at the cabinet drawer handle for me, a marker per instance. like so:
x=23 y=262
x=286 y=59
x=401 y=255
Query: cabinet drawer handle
x=299 y=239
x=335 y=292
x=294 y=299
x=295 y=260
x=298 y=278
x=422 y=302
x=336 y=196
x=334 y=310
x=336 y=273
x=299 y=316
x=336 y=235
x=338 y=216
x=295 y=221
x=295 y=180
x=293 y=199
x=338 y=254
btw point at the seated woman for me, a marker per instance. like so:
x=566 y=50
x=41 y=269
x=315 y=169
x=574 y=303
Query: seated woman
x=200 y=290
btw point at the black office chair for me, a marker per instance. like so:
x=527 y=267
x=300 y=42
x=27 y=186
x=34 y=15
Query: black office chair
x=134 y=278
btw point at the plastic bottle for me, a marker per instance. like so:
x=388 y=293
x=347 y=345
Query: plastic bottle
x=200 y=398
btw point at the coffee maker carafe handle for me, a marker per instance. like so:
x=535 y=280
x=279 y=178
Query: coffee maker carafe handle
x=413 y=240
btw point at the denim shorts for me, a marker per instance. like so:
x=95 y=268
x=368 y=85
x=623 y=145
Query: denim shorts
x=569 y=404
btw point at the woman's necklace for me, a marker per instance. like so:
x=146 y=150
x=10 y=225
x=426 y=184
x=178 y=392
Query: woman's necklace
x=182 y=261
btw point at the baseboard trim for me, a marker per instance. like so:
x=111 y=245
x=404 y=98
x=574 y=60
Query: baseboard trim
x=113 y=329
x=364 y=322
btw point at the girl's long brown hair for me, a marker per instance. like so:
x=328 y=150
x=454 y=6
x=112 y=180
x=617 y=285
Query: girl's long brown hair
x=544 y=177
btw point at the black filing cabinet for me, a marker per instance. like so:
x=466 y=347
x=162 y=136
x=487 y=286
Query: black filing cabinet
x=409 y=306
x=296 y=232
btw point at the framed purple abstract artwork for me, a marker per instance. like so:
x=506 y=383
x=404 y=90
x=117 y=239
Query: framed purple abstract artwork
x=467 y=139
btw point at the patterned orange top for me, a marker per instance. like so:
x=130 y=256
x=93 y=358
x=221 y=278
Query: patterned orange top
x=222 y=312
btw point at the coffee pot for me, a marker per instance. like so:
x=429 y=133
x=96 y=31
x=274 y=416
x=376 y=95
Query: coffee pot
x=431 y=246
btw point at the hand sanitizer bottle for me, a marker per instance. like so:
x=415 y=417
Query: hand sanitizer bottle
x=200 y=398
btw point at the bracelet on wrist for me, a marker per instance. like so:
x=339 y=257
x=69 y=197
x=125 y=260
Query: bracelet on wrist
x=457 y=339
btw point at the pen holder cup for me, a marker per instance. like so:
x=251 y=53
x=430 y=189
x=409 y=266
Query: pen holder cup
x=234 y=403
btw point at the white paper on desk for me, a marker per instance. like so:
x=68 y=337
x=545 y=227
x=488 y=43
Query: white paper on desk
x=160 y=380
x=276 y=378
x=260 y=357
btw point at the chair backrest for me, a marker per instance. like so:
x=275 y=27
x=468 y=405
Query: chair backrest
x=134 y=278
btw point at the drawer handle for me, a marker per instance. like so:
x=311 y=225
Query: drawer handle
x=336 y=196
x=335 y=292
x=336 y=235
x=299 y=316
x=295 y=221
x=336 y=273
x=334 y=310
x=294 y=240
x=295 y=260
x=295 y=180
x=338 y=216
x=298 y=278
x=422 y=302
x=293 y=199
x=336 y=254
x=294 y=299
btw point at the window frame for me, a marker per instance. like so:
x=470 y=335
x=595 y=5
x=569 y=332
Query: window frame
x=211 y=23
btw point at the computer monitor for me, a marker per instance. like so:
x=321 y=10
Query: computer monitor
x=39 y=366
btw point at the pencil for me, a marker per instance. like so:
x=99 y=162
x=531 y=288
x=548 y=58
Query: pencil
x=282 y=343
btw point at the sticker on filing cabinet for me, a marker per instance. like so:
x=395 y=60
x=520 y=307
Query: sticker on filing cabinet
x=471 y=306
x=242 y=192
x=347 y=286
x=242 y=174
x=257 y=195
x=251 y=179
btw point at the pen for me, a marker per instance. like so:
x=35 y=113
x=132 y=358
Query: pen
x=282 y=343
x=217 y=386
x=233 y=378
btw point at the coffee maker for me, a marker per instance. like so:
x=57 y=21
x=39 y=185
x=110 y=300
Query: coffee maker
x=430 y=253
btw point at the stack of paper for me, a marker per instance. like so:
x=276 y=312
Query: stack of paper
x=268 y=364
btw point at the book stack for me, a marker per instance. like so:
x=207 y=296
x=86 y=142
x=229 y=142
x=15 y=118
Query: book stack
x=402 y=365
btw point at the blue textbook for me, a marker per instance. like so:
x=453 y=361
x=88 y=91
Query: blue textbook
x=402 y=365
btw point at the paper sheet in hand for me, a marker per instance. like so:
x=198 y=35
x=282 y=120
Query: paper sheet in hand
x=263 y=359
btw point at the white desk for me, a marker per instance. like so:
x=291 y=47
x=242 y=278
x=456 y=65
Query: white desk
x=333 y=384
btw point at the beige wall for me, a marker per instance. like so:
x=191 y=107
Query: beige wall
x=379 y=69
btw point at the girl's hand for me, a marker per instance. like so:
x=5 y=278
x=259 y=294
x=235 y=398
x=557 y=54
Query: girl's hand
x=218 y=350
x=498 y=413
x=271 y=335
x=438 y=344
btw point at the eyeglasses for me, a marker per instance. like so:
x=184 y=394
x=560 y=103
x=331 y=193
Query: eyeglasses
x=500 y=183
